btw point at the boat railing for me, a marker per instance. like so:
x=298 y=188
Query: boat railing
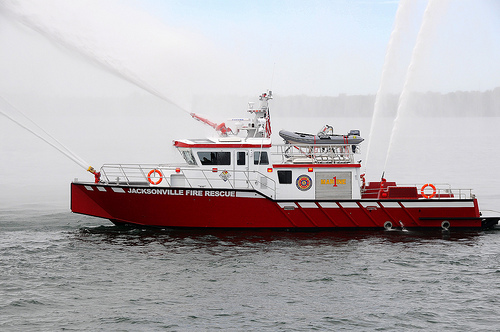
x=159 y=175
x=442 y=191
x=315 y=154
x=445 y=190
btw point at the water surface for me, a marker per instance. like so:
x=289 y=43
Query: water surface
x=61 y=271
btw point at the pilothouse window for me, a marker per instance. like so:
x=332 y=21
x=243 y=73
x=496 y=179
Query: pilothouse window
x=260 y=158
x=215 y=158
x=188 y=156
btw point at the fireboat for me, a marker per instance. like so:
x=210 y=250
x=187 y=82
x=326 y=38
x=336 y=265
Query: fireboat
x=239 y=179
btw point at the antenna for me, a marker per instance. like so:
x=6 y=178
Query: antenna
x=272 y=77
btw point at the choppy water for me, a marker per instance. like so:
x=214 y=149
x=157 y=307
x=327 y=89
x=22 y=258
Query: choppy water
x=60 y=271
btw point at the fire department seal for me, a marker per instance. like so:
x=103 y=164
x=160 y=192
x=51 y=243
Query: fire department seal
x=304 y=182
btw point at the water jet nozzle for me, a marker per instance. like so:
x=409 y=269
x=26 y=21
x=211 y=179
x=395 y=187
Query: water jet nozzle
x=97 y=175
x=220 y=128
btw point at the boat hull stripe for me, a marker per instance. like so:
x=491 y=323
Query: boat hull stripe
x=287 y=204
x=329 y=205
x=349 y=205
x=308 y=205
x=368 y=204
x=438 y=204
x=247 y=194
x=390 y=204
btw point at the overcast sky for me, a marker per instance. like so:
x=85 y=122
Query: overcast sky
x=321 y=47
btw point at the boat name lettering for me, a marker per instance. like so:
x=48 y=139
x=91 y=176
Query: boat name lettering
x=190 y=192
x=333 y=181
x=149 y=191
x=220 y=193
x=182 y=192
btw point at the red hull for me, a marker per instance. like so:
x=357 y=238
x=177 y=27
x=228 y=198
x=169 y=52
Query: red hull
x=184 y=207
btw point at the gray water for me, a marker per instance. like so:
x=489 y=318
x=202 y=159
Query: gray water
x=61 y=271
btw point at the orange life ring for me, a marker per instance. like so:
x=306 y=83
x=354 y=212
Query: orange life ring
x=159 y=174
x=433 y=190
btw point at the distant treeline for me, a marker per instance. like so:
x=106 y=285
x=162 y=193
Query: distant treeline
x=460 y=103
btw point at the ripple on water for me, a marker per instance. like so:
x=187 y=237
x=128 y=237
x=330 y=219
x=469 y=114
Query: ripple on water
x=111 y=278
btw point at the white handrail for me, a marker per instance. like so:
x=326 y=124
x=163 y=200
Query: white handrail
x=136 y=174
x=316 y=153
x=443 y=191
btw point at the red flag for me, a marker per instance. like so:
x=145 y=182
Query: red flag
x=268 y=124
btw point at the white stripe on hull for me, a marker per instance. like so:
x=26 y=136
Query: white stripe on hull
x=390 y=204
x=438 y=204
x=349 y=205
x=308 y=205
x=287 y=205
x=329 y=205
x=247 y=194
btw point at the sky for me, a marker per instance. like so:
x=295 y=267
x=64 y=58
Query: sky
x=295 y=47
x=298 y=47
x=113 y=79
x=182 y=48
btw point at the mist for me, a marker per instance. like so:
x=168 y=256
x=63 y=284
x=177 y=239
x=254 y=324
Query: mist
x=113 y=80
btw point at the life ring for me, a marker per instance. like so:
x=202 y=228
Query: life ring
x=424 y=195
x=157 y=172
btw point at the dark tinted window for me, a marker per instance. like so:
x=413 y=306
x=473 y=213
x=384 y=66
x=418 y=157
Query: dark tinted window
x=241 y=158
x=285 y=176
x=215 y=158
x=262 y=156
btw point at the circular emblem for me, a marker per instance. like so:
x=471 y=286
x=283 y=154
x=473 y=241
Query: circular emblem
x=304 y=182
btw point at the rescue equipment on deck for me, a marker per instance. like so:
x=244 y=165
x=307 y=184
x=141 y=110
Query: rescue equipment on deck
x=326 y=136
x=424 y=195
x=151 y=173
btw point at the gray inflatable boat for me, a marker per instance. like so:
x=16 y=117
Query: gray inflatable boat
x=323 y=137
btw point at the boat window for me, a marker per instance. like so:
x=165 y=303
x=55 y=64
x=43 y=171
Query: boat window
x=260 y=158
x=187 y=154
x=241 y=160
x=215 y=158
x=285 y=177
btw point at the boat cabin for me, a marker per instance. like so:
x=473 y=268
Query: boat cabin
x=242 y=157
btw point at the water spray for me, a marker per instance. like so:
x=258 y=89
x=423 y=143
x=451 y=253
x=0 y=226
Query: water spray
x=400 y=33
x=421 y=45
x=388 y=60
x=104 y=62
x=7 y=110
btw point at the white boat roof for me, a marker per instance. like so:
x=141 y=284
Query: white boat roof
x=224 y=142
